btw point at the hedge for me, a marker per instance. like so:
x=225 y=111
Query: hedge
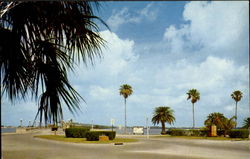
x=76 y=132
x=94 y=135
x=188 y=132
x=238 y=133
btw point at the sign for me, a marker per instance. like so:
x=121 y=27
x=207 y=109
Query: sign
x=112 y=121
x=138 y=130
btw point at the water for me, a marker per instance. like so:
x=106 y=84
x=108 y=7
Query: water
x=152 y=131
x=8 y=130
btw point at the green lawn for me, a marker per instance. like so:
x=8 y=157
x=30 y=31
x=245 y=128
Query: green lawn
x=83 y=140
x=197 y=137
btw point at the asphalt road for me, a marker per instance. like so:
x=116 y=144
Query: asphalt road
x=25 y=146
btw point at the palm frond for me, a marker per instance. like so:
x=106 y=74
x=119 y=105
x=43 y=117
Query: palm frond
x=163 y=114
x=194 y=95
x=125 y=90
x=40 y=41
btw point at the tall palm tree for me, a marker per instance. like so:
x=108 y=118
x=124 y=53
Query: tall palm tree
x=164 y=115
x=125 y=90
x=194 y=95
x=40 y=42
x=236 y=95
x=246 y=123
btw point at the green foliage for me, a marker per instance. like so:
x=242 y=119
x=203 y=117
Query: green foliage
x=246 y=123
x=94 y=135
x=238 y=133
x=40 y=42
x=221 y=132
x=76 y=132
x=222 y=123
x=237 y=95
x=126 y=90
x=163 y=114
x=54 y=128
x=194 y=95
x=216 y=119
x=188 y=132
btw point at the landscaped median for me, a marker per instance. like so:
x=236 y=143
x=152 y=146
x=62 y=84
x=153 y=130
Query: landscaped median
x=85 y=135
x=200 y=137
x=234 y=134
x=83 y=140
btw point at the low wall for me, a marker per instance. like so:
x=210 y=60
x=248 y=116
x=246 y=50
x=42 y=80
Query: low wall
x=20 y=130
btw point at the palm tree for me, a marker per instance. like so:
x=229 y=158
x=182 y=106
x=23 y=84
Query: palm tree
x=40 y=42
x=125 y=90
x=221 y=122
x=215 y=119
x=228 y=124
x=246 y=123
x=163 y=114
x=194 y=95
x=236 y=95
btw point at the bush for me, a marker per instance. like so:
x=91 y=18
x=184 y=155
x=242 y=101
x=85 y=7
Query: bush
x=188 y=132
x=76 y=132
x=239 y=133
x=54 y=128
x=94 y=135
x=221 y=132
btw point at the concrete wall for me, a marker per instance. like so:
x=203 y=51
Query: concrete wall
x=20 y=130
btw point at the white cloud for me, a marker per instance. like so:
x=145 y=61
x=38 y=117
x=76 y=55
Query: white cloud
x=216 y=23
x=119 y=18
x=101 y=93
x=215 y=28
x=149 y=12
x=123 y=16
x=118 y=57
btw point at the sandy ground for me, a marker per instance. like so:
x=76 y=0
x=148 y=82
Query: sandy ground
x=25 y=146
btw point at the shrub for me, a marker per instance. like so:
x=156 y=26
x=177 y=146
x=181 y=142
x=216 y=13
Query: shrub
x=76 y=132
x=54 y=128
x=188 y=132
x=239 y=133
x=220 y=132
x=94 y=135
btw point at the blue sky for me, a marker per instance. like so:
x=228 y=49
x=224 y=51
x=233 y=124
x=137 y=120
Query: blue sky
x=162 y=49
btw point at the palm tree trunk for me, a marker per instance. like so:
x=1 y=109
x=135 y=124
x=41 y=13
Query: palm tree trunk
x=236 y=115
x=125 y=125
x=1 y=91
x=193 y=116
x=163 y=131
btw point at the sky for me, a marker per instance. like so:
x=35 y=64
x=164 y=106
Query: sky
x=162 y=49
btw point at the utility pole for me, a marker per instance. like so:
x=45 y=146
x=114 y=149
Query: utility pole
x=21 y=122
x=112 y=123
x=0 y=88
x=147 y=128
x=92 y=127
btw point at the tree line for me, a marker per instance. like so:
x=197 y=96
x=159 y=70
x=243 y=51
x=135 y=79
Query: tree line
x=164 y=114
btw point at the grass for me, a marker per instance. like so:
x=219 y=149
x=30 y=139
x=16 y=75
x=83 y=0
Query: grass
x=83 y=140
x=198 y=137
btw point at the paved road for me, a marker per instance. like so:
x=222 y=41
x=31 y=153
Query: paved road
x=25 y=146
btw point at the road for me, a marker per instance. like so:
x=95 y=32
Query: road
x=25 y=146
